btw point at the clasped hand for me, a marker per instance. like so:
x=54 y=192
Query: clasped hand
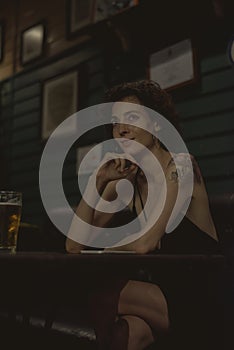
x=117 y=166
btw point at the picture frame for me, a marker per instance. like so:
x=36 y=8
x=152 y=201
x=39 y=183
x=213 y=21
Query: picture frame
x=105 y=9
x=59 y=101
x=32 y=43
x=80 y=15
x=1 y=41
x=174 y=66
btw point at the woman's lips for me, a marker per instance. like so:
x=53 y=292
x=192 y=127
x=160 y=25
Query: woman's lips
x=126 y=142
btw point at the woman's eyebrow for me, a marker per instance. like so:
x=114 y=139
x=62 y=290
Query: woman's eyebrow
x=132 y=111
x=127 y=113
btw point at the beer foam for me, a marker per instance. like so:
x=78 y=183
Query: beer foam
x=9 y=203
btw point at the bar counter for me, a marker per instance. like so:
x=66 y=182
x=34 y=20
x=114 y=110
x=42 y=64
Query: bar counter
x=38 y=277
x=47 y=283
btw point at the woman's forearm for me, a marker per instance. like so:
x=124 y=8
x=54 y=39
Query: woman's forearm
x=80 y=228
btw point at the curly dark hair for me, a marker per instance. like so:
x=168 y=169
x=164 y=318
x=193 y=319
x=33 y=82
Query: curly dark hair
x=150 y=94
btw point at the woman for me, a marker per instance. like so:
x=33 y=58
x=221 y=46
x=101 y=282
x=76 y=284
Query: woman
x=140 y=309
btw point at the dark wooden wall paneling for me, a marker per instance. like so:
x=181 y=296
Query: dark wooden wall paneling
x=21 y=123
x=208 y=123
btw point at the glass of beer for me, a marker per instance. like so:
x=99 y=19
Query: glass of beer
x=10 y=213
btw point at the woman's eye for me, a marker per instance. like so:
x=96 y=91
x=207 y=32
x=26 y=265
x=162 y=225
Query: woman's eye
x=133 y=117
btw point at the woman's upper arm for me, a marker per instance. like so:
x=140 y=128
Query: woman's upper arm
x=181 y=171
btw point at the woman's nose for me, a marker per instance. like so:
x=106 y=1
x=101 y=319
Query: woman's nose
x=123 y=129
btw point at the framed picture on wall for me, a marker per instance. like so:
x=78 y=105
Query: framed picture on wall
x=173 y=66
x=107 y=8
x=59 y=101
x=32 y=43
x=1 y=40
x=80 y=15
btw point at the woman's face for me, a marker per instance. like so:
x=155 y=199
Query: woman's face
x=131 y=111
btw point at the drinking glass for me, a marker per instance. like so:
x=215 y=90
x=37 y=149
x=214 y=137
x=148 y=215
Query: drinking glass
x=10 y=214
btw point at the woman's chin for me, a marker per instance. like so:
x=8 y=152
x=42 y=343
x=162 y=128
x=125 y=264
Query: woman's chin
x=129 y=150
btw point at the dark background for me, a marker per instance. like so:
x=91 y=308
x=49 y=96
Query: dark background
x=106 y=53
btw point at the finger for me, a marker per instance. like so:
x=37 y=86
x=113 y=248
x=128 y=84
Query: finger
x=122 y=164
x=128 y=164
x=129 y=160
x=117 y=163
x=133 y=167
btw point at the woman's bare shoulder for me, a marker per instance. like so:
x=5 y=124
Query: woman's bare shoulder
x=185 y=163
